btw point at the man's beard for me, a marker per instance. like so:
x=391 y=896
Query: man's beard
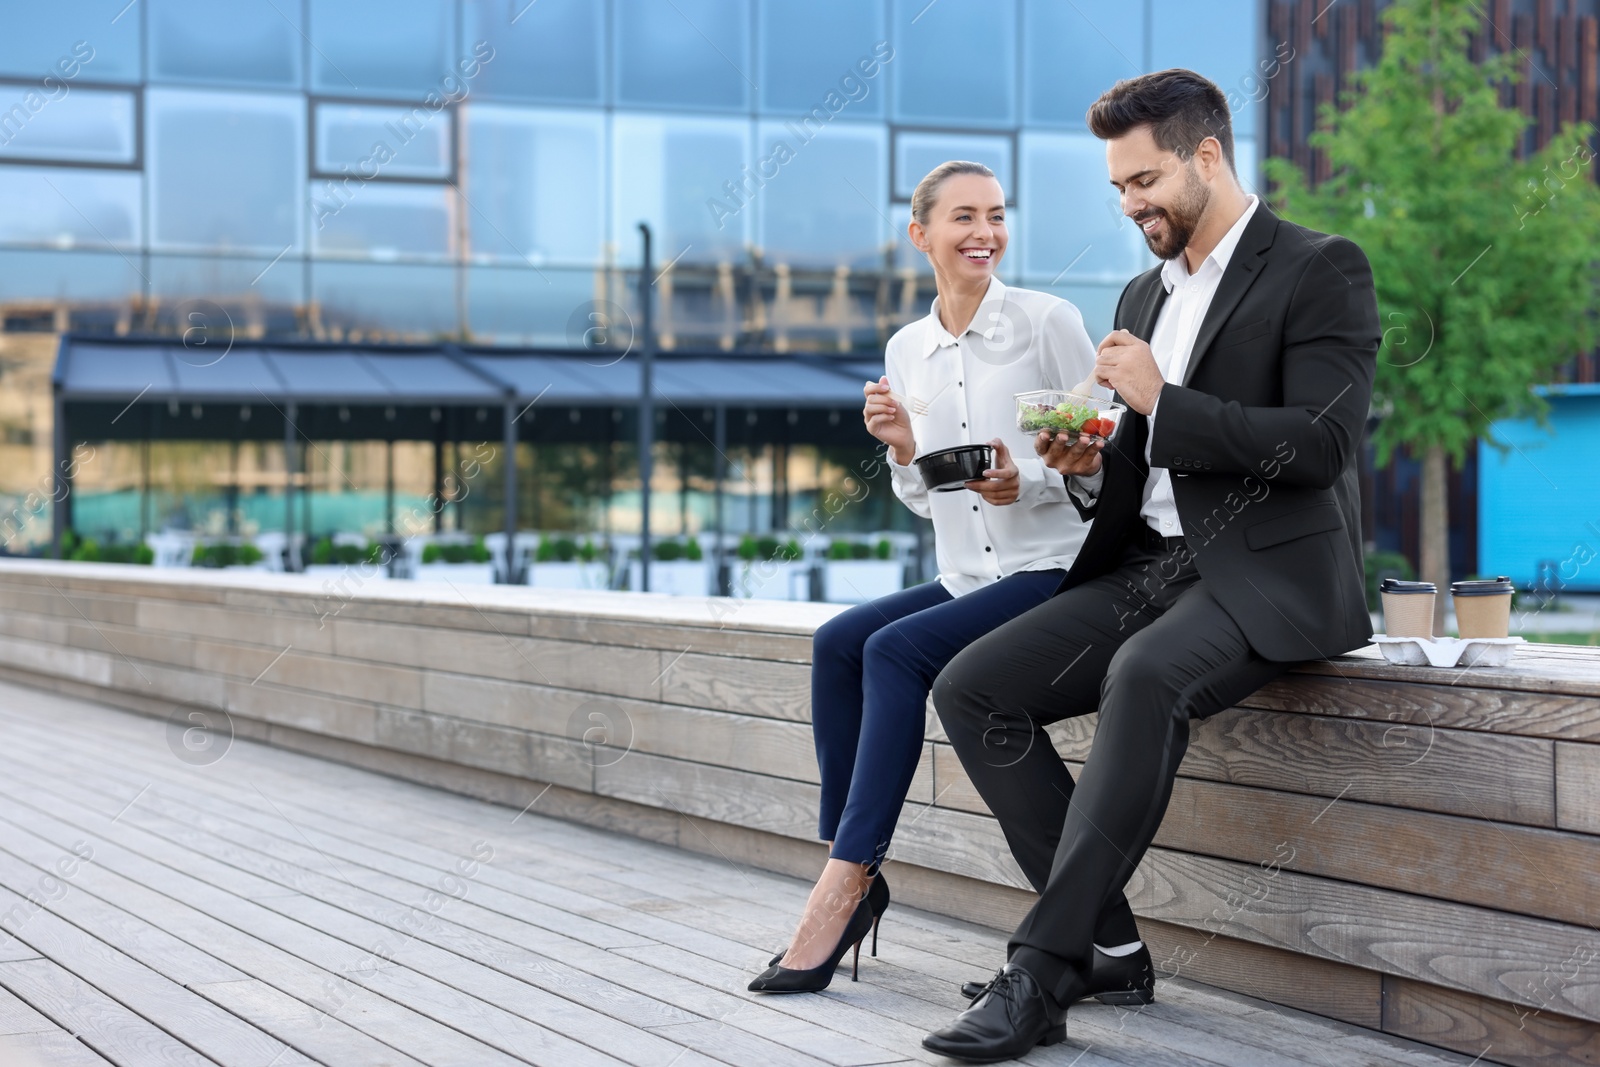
x=1182 y=219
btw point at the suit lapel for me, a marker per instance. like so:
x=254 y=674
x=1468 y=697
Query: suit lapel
x=1244 y=267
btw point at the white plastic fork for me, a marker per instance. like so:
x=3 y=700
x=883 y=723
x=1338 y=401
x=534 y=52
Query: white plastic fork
x=911 y=403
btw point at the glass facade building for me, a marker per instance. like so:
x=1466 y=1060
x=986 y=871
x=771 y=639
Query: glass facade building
x=477 y=168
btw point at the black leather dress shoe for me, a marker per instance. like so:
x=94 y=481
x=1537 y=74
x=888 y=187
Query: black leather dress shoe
x=1010 y=1016
x=1129 y=979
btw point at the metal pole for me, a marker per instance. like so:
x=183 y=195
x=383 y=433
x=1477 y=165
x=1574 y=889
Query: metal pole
x=720 y=444
x=288 y=486
x=510 y=446
x=647 y=414
x=60 y=511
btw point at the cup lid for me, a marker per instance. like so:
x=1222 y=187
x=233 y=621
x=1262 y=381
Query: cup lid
x=1500 y=586
x=1395 y=585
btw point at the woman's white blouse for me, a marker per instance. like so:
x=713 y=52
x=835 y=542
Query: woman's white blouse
x=1019 y=340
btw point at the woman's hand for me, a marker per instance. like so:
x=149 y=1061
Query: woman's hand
x=888 y=421
x=1002 y=483
x=1071 y=454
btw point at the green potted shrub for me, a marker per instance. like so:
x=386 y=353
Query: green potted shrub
x=225 y=554
x=772 y=569
x=346 y=555
x=456 y=559
x=560 y=562
x=858 y=570
x=678 y=566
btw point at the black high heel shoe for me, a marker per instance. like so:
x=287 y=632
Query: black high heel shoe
x=877 y=899
x=780 y=979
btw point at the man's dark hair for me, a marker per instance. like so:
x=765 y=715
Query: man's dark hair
x=1181 y=108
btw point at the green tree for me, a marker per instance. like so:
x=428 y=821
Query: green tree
x=1484 y=263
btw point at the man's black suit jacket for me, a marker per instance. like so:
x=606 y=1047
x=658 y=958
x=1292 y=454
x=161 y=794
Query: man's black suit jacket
x=1261 y=440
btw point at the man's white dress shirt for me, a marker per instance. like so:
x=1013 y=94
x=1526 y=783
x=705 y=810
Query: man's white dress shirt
x=1172 y=344
x=1018 y=340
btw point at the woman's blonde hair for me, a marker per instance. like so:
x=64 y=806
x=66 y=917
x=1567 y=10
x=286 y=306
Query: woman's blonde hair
x=927 y=191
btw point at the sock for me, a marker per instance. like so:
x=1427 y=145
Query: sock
x=1122 y=950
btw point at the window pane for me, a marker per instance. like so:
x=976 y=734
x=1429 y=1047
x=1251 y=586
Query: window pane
x=70 y=207
x=810 y=48
x=47 y=275
x=956 y=63
x=826 y=205
x=389 y=142
x=382 y=47
x=543 y=49
x=536 y=181
x=80 y=126
x=1076 y=51
x=516 y=305
x=688 y=53
x=1217 y=40
x=96 y=40
x=243 y=42
x=915 y=154
x=253 y=289
x=384 y=222
x=1096 y=303
x=1075 y=227
x=673 y=174
x=408 y=299
x=226 y=170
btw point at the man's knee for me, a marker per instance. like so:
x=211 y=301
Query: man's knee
x=956 y=691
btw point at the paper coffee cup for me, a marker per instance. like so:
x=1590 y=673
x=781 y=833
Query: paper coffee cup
x=1407 y=607
x=1483 y=608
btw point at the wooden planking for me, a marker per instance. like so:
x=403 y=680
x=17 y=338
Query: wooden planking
x=1578 y=787
x=51 y=1049
x=1525 y=1037
x=315 y=1034
x=16 y=1017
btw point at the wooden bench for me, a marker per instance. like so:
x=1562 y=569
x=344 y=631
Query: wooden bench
x=1412 y=850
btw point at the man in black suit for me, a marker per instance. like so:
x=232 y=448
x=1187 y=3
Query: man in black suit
x=1225 y=545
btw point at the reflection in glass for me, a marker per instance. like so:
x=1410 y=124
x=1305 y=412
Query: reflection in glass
x=69 y=207
x=916 y=153
x=692 y=179
x=226 y=170
x=536 y=183
x=518 y=305
x=242 y=42
x=825 y=206
x=382 y=47
x=812 y=48
x=688 y=53
x=253 y=281
x=956 y=63
x=1218 y=40
x=1075 y=51
x=385 y=222
x=543 y=49
x=75 y=125
x=409 y=298
x=1075 y=229
x=26 y=274
x=388 y=142
x=46 y=38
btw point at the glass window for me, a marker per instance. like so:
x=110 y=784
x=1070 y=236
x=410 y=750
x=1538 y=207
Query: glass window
x=79 y=125
x=1075 y=227
x=95 y=40
x=811 y=48
x=543 y=49
x=1076 y=51
x=824 y=203
x=1097 y=303
x=70 y=207
x=690 y=178
x=226 y=170
x=915 y=154
x=383 y=47
x=403 y=298
x=387 y=142
x=243 y=42
x=1246 y=163
x=27 y=274
x=536 y=181
x=1218 y=40
x=687 y=53
x=383 y=221
x=515 y=305
x=279 y=286
x=955 y=62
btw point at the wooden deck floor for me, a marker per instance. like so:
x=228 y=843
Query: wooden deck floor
x=272 y=909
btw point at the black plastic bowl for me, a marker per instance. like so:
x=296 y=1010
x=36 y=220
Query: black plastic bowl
x=950 y=469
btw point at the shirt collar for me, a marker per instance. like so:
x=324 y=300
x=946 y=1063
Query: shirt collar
x=1174 y=273
x=985 y=321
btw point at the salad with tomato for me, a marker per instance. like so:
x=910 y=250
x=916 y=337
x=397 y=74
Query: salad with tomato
x=1067 y=413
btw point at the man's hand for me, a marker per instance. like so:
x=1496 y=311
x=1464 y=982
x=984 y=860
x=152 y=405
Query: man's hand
x=888 y=421
x=1070 y=454
x=1127 y=365
x=1001 y=483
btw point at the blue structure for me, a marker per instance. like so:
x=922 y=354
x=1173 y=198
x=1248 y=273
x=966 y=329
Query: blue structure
x=1539 y=499
x=472 y=168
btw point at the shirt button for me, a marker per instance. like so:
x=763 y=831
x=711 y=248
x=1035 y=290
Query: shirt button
x=1167 y=524
x=963 y=426
x=986 y=548
x=974 y=507
x=958 y=385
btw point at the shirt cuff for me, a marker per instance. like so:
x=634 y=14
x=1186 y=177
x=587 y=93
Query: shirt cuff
x=1086 y=488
